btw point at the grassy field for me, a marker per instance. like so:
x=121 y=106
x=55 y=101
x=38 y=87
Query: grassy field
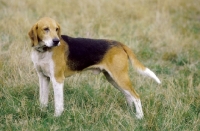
x=165 y=35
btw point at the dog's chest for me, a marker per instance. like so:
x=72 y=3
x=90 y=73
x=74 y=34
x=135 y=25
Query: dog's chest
x=43 y=62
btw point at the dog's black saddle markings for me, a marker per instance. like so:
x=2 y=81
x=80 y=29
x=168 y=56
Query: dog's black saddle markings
x=84 y=52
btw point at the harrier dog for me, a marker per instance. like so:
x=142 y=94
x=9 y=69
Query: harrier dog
x=57 y=56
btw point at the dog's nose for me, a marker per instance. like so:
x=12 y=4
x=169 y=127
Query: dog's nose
x=55 y=41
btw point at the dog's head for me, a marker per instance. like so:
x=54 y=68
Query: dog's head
x=45 y=33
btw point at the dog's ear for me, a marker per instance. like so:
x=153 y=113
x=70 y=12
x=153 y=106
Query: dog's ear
x=33 y=35
x=59 y=31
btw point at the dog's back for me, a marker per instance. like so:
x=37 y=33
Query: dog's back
x=84 y=52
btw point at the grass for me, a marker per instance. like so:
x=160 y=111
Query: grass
x=163 y=34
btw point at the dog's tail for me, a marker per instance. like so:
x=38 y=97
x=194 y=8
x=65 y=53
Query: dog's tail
x=138 y=65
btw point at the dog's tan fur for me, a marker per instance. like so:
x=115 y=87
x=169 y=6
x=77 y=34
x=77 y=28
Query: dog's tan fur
x=114 y=64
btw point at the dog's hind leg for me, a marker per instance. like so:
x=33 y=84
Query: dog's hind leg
x=122 y=82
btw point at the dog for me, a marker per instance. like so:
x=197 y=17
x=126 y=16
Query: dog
x=57 y=56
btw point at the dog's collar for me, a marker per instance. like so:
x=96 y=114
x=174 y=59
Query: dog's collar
x=42 y=49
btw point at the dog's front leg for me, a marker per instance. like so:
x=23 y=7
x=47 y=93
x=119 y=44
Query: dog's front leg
x=44 y=89
x=58 y=97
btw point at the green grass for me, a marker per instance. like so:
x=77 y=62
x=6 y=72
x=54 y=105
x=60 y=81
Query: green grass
x=163 y=34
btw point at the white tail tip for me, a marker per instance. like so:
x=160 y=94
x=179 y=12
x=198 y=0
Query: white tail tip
x=151 y=74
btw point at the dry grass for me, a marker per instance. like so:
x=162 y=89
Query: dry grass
x=163 y=34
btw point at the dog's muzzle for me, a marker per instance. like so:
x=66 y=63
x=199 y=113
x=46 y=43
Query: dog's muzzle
x=55 y=41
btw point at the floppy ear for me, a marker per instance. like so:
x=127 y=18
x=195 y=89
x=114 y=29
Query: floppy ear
x=59 y=31
x=33 y=35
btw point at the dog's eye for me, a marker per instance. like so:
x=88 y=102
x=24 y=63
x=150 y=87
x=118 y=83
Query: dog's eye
x=46 y=29
x=56 y=29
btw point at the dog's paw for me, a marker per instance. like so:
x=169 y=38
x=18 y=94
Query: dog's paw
x=139 y=115
x=58 y=112
x=43 y=107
